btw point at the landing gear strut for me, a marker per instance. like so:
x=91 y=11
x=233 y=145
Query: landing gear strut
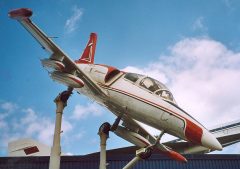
x=61 y=103
x=141 y=154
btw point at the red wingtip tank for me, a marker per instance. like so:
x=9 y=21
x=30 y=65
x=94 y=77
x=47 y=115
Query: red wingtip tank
x=20 y=13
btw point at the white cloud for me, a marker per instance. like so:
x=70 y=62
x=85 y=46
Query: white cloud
x=45 y=133
x=199 y=25
x=30 y=116
x=6 y=109
x=204 y=77
x=71 y=23
x=36 y=125
x=82 y=112
x=27 y=123
x=42 y=127
x=66 y=126
x=30 y=125
x=8 y=106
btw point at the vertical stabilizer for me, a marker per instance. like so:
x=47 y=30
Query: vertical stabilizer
x=89 y=52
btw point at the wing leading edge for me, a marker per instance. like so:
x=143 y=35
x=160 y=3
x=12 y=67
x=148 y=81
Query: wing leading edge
x=23 y=16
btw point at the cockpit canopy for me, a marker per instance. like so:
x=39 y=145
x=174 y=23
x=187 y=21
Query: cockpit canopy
x=151 y=85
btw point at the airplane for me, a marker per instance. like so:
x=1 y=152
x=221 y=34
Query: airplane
x=133 y=98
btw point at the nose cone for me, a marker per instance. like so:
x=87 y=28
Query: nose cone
x=210 y=141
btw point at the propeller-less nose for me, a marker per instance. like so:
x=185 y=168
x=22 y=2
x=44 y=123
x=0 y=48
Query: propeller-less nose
x=210 y=141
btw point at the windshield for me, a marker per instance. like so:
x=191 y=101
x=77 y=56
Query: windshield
x=165 y=94
x=132 y=76
x=152 y=85
x=157 y=87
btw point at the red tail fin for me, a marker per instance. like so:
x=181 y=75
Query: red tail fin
x=89 y=52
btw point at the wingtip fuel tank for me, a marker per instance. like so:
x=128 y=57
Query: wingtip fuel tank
x=20 y=13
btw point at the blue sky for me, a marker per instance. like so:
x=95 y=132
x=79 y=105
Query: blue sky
x=192 y=46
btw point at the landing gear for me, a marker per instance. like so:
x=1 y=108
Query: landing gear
x=116 y=123
x=61 y=103
x=141 y=154
x=158 y=139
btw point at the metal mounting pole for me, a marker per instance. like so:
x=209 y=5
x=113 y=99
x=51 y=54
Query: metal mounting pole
x=61 y=103
x=104 y=134
x=132 y=162
x=141 y=154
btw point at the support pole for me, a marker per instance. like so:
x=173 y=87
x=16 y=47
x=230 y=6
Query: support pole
x=132 y=162
x=104 y=134
x=61 y=102
x=141 y=154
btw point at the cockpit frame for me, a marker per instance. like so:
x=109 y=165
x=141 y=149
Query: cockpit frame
x=150 y=85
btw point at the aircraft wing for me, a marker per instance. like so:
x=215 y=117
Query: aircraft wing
x=23 y=16
x=227 y=134
x=149 y=140
x=135 y=126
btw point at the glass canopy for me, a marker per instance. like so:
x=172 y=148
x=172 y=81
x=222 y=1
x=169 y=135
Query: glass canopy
x=151 y=85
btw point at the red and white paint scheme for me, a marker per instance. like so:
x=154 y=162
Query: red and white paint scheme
x=132 y=97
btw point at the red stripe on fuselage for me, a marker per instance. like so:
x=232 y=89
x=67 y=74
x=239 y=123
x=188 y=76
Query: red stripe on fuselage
x=192 y=131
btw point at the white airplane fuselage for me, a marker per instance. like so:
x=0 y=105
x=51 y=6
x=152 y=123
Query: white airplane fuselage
x=142 y=105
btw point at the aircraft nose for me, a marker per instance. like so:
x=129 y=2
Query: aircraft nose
x=210 y=141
